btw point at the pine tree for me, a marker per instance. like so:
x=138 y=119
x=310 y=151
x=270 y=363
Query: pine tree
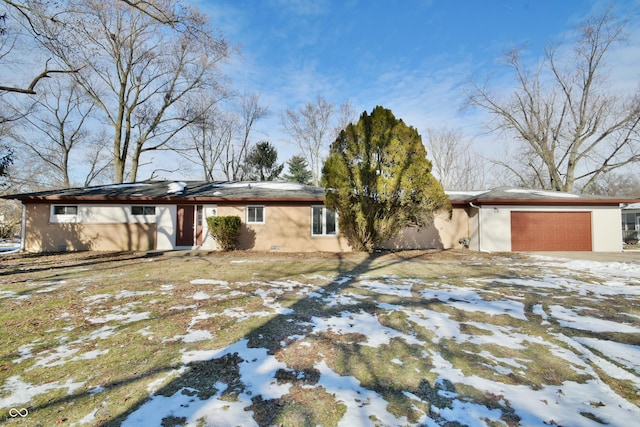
x=379 y=180
x=261 y=162
x=298 y=171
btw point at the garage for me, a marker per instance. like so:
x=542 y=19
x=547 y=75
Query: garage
x=551 y=231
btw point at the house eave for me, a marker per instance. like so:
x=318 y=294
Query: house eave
x=166 y=200
x=550 y=202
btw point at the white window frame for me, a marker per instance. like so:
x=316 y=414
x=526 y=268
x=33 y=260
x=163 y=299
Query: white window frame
x=264 y=214
x=144 y=210
x=324 y=222
x=64 y=217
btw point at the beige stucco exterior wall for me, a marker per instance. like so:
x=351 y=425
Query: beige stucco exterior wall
x=42 y=235
x=286 y=228
x=606 y=231
x=494 y=228
x=444 y=233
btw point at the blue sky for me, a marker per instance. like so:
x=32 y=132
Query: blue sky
x=412 y=56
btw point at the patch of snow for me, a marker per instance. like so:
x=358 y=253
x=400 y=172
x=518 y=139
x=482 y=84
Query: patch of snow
x=587 y=357
x=195 y=335
x=436 y=322
x=25 y=352
x=209 y=282
x=339 y=299
x=177 y=187
x=470 y=414
x=605 y=269
x=56 y=357
x=99 y=334
x=97 y=298
x=7 y=294
x=123 y=317
x=569 y=319
x=18 y=392
x=467 y=299
x=241 y=315
x=538 y=310
x=130 y=294
x=287 y=186
x=183 y=404
x=90 y=418
x=183 y=307
x=543 y=193
x=387 y=288
x=361 y=323
x=257 y=373
x=624 y=354
x=199 y=296
x=96 y=390
x=362 y=404
x=550 y=405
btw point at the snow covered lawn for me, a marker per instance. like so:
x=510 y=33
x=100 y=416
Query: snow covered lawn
x=415 y=339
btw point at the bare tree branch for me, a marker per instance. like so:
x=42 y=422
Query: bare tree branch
x=563 y=111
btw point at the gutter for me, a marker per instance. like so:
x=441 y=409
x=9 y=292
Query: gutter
x=23 y=231
x=479 y=225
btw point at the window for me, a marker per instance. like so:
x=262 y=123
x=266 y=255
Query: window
x=255 y=214
x=143 y=210
x=64 y=214
x=65 y=210
x=630 y=223
x=323 y=221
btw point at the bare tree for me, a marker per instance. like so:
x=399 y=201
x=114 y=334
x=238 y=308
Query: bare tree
x=345 y=115
x=57 y=132
x=9 y=37
x=454 y=163
x=616 y=185
x=31 y=11
x=311 y=129
x=575 y=130
x=236 y=150
x=137 y=71
x=208 y=137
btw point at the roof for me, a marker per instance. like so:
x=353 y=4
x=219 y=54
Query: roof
x=168 y=191
x=527 y=196
x=220 y=191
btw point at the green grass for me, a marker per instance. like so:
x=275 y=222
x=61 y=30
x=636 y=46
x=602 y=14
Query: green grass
x=132 y=310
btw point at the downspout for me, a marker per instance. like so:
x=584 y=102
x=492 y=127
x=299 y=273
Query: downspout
x=479 y=222
x=23 y=231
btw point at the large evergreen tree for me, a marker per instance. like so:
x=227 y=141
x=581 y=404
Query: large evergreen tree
x=298 y=171
x=262 y=162
x=379 y=180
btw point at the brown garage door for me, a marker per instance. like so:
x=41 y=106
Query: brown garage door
x=551 y=231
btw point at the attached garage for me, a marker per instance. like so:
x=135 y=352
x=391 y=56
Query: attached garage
x=518 y=219
x=551 y=231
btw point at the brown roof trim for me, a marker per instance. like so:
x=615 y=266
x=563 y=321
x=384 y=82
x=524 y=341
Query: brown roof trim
x=551 y=202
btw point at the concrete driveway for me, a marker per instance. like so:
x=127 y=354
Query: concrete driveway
x=632 y=256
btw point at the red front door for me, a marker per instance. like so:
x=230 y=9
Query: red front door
x=186 y=231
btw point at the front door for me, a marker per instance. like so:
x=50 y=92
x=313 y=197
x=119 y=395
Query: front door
x=186 y=231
